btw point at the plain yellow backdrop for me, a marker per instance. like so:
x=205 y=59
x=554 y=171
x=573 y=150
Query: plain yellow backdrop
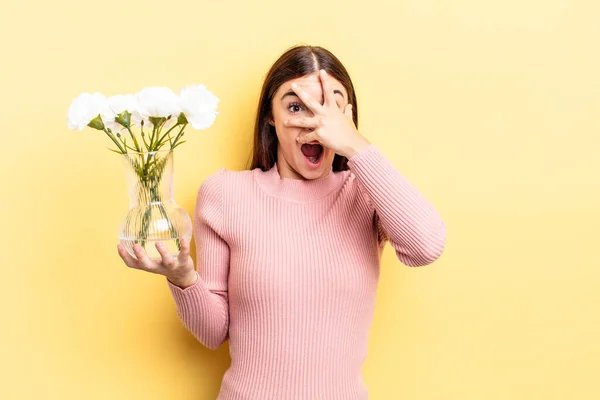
x=491 y=108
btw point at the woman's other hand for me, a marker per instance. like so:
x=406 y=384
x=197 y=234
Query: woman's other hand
x=178 y=270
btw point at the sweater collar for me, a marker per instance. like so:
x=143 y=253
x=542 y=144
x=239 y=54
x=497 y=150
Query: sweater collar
x=299 y=190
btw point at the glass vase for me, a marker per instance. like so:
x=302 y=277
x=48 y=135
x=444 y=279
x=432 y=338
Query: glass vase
x=153 y=214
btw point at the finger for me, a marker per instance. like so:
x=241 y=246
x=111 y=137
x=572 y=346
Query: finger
x=130 y=261
x=328 y=96
x=308 y=137
x=348 y=110
x=143 y=260
x=302 y=122
x=167 y=258
x=308 y=101
x=184 y=253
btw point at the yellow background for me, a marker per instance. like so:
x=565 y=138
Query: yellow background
x=491 y=108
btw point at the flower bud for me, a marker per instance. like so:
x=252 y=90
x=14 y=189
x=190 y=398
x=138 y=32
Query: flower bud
x=157 y=121
x=97 y=123
x=181 y=119
x=124 y=118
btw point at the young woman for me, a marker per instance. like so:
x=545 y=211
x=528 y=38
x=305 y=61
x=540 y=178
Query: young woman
x=288 y=251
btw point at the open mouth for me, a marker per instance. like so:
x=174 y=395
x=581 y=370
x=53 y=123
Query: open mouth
x=312 y=152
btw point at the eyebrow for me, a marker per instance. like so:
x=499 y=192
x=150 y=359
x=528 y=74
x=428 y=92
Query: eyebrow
x=292 y=93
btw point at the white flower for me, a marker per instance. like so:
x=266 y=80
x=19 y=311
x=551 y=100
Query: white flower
x=158 y=102
x=198 y=105
x=116 y=105
x=85 y=108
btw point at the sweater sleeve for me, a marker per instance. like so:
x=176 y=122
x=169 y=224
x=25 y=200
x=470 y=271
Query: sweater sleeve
x=203 y=307
x=403 y=216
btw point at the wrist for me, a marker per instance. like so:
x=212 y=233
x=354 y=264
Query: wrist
x=357 y=145
x=184 y=281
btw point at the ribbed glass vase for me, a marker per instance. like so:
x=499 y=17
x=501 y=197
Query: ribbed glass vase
x=153 y=214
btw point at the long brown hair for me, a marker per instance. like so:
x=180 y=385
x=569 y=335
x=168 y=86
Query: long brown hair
x=296 y=62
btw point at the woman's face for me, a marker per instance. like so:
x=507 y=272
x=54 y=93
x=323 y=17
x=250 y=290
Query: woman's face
x=293 y=159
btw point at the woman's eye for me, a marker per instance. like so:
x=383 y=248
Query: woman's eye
x=294 y=108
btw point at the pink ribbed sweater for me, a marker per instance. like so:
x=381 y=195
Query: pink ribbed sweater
x=288 y=273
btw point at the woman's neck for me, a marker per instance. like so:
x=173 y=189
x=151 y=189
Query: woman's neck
x=285 y=171
x=299 y=189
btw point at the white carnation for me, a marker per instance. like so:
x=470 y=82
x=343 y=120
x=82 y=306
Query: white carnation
x=85 y=108
x=116 y=105
x=199 y=106
x=158 y=102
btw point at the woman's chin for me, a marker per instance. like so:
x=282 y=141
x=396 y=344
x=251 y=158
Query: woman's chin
x=311 y=168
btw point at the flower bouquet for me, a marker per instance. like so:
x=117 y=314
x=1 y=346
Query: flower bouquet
x=153 y=122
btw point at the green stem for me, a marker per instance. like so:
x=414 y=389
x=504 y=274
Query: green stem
x=174 y=234
x=159 y=129
x=137 y=146
x=163 y=136
x=124 y=141
x=143 y=136
x=178 y=136
x=152 y=137
x=150 y=178
x=124 y=151
x=150 y=148
x=145 y=143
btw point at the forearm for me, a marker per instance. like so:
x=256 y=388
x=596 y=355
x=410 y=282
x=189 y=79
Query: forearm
x=414 y=228
x=203 y=312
